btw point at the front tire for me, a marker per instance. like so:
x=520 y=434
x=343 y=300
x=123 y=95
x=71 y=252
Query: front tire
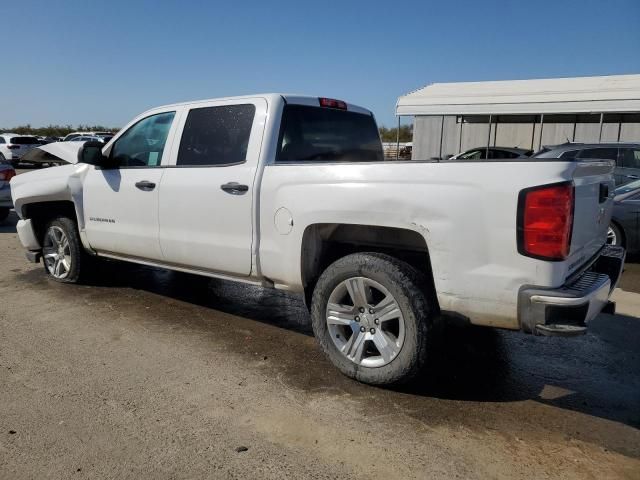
x=63 y=255
x=372 y=317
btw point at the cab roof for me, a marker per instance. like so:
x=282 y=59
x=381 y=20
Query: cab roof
x=271 y=98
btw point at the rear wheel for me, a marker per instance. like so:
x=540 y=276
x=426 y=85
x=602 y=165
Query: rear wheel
x=372 y=318
x=614 y=235
x=64 y=257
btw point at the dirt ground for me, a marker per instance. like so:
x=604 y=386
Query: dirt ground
x=152 y=374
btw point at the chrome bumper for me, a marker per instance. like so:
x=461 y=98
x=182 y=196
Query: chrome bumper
x=566 y=310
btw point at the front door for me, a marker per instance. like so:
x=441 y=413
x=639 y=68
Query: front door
x=121 y=203
x=206 y=199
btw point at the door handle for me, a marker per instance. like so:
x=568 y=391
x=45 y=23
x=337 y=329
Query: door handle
x=145 y=185
x=632 y=176
x=235 y=188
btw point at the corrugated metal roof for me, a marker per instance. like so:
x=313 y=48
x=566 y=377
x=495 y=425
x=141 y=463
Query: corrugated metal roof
x=613 y=93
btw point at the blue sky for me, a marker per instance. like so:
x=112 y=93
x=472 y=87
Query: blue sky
x=105 y=61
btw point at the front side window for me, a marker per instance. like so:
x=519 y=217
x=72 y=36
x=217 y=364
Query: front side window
x=630 y=157
x=317 y=134
x=216 y=135
x=142 y=145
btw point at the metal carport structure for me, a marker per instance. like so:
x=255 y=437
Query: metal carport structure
x=517 y=112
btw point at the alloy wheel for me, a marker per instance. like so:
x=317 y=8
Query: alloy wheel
x=57 y=252
x=365 y=322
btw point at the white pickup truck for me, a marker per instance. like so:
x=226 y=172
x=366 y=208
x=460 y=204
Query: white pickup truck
x=293 y=193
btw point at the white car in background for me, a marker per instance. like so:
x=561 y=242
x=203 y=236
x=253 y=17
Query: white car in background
x=90 y=138
x=74 y=135
x=14 y=146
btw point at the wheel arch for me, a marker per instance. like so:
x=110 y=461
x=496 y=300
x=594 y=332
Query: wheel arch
x=324 y=243
x=40 y=213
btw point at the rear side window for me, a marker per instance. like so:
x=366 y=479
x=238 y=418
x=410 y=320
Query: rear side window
x=569 y=154
x=24 y=140
x=315 y=134
x=503 y=154
x=216 y=135
x=600 y=153
x=630 y=157
x=1 y=139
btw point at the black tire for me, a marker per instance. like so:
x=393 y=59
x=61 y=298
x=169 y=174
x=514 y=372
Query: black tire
x=79 y=258
x=4 y=213
x=412 y=294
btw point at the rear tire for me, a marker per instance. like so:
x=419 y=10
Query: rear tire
x=64 y=257
x=382 y=335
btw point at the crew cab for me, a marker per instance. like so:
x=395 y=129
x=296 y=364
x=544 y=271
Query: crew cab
x=294 y=193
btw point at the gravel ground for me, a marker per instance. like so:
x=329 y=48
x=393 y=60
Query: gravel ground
x=152 y=374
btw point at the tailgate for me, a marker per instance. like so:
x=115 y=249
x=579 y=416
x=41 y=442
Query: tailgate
x=594 y=187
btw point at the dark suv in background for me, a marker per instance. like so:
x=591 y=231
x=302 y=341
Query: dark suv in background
x=626 y=156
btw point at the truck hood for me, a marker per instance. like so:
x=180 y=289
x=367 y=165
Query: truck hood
x=62 y=151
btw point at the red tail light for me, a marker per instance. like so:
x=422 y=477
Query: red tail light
x=332 y=103
x=7 y=175
x=13 y=147
x=545 y=221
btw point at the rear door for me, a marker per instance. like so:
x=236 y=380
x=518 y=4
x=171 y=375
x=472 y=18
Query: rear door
x=604 y=153
x=206 y=195
x=628 y=169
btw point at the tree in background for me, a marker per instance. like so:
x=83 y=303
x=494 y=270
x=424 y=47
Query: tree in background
x=57 y=130
x=390 y=134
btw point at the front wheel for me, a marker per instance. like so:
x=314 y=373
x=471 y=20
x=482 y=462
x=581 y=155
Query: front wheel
x=372 y=318
x=62 y=252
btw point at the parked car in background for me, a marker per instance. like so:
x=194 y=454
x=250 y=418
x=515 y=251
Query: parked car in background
x=14 y=146
x=73 y=135
x=87 y=138
x=6 y=173
x=624 y=229
x=626 y=156
x=45 y=140
x=495 y=153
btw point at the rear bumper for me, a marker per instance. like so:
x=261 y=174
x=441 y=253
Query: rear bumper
x=566 y=310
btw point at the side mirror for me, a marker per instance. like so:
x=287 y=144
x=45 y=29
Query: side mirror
x=91 y=153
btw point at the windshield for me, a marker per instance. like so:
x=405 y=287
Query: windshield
x=627 y=187
x=316 y=134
